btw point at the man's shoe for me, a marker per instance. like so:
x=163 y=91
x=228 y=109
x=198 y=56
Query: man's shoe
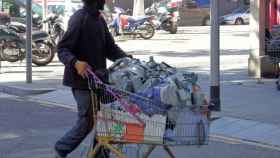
x=57 y=155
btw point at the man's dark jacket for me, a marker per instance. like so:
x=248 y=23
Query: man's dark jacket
x=87 y=39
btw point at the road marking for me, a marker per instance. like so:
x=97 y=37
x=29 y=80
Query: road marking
x=6 y=136
x=43 y=103
x=52 y=104
x=231 y=140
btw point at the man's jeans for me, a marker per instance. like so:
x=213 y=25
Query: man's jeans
x=71 y=140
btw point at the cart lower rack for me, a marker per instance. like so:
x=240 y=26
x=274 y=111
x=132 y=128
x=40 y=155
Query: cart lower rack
x=273 y=51
x=122 y=117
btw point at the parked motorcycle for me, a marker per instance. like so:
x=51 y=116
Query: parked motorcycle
x=55 y=27
x=12 y=45
x=129 y=25
x=167 y=16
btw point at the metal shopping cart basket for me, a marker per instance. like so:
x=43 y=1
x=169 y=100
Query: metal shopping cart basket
x=119 y=119
x=273 y=51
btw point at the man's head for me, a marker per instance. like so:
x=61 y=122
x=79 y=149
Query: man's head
x=97 y=4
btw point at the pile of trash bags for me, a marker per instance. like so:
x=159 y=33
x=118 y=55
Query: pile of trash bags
x=171 y=92
x=163 y=84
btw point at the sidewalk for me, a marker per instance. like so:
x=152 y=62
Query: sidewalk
x=250 y=111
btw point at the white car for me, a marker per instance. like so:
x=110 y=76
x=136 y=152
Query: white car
x=239 y=16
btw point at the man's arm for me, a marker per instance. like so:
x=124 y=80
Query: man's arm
x=113 y=51
x=66 y=47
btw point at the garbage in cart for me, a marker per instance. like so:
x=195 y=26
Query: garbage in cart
x=150 y=103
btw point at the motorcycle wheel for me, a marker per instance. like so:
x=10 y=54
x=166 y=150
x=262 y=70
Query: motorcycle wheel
x=150 y=31
x=44 y=53
x=59 y=36
x=173 y=27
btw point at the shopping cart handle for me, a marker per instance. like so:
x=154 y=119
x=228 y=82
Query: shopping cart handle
x=90 y=72
x=133 y=109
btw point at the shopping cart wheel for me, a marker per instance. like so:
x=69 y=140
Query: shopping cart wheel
x=278 y=85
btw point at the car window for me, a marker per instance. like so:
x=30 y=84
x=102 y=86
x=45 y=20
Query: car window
x=240 y=10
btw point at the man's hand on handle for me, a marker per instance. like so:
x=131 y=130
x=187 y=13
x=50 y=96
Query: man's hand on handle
x=81 y=67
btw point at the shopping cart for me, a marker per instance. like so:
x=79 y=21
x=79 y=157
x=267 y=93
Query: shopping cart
x=119 y=120
x=273 y=51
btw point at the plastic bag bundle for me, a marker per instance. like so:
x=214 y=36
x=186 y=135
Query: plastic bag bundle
x=163 y=84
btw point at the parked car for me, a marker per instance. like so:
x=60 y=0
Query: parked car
x=194 y=14
x=240 y=16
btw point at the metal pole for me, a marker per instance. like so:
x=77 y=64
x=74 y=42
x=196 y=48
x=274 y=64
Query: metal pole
x=28 y=41
x=45 y=12
x=138 y=8
x=215 y=57
x=2 y=5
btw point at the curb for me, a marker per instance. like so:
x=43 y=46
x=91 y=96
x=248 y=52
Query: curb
x=234 y=140
x=21 y=91
x=247 y=131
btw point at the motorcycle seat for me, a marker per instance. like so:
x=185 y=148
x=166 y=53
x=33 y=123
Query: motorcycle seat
x=133 y=19
x=18 y=27
x=39 y=35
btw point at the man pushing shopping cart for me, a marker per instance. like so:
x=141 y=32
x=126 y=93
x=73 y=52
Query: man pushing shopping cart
x=120 y=116
x=86 y=44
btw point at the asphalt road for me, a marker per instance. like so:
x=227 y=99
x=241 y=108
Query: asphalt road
x=29 y=130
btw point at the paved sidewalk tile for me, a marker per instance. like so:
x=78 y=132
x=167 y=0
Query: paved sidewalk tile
x=261 y=131
x=236 y=127
x=222 y=123
x=63 y=97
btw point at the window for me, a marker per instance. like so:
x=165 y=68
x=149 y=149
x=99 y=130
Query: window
x=240 y=10
x=17 y=8
x=5 y=6
x=56 y=9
